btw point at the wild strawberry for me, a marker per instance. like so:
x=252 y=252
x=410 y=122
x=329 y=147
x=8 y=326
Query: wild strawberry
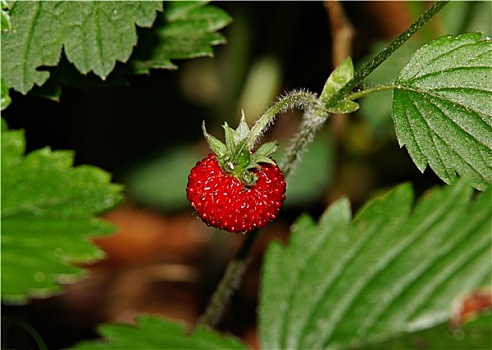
x=237 y=189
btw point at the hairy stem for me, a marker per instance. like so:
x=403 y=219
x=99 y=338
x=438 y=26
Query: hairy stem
x=314 y=117
x=296 y=99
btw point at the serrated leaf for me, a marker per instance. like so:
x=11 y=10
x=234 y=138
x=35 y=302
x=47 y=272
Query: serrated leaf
x=48 y=211
x=442 y=109
x=391 y=270
x=156 y=333
x=95 y=34
x=188 y=30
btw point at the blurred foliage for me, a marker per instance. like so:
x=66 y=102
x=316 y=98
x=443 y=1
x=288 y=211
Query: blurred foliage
x=48 y=213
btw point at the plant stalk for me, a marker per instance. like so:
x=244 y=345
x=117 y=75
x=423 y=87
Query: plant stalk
x=232 y=277
x=361 y=74
x=378 y=88
x=314 y=117
x=296 y=99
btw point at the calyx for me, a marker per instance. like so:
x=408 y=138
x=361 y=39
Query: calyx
x=237 y=156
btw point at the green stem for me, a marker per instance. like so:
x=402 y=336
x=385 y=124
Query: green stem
x=314 y=117
x=362 y=93
x=361 y=74
x=28 y=328
x=232 y=277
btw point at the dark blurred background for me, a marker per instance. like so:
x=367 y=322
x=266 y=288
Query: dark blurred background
x=147 y=133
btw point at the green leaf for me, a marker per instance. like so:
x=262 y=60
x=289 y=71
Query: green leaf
x=48 y=211
x=5 y=98
x=156 y=333
x=95 y=34
x=230 y=136
x=389 y=271
x=344 y=107
x=188 y=30
x=337 y=80
x=6 y=25
x=473 y=335
x=442 y=108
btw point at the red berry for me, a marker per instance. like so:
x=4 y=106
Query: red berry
x=223 y=201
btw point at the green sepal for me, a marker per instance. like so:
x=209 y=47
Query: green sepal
x=249 y=178
x=236 y=157
x=343 y=107
x=267 y=149
x=258 y=160
x=243 y=129
x=217 y=146
x=244 y=157
x=337 y=79
x=230 y=136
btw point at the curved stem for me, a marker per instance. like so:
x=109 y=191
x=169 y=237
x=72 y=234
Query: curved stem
x=362 y=93
x=296 y=99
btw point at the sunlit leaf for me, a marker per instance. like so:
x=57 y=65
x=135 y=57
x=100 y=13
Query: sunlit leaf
x=94 y=35
x=442 y=108
x=389 y=271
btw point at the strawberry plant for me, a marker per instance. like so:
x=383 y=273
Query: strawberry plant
x=399 y=273
x=237 y=189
